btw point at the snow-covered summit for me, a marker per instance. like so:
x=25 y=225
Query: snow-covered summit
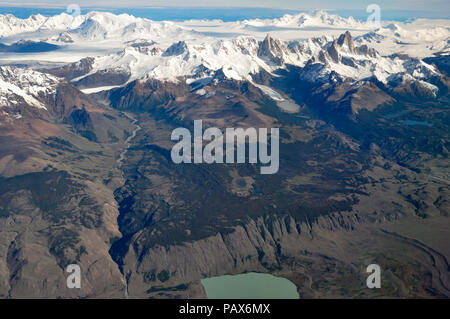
x=242 y=57
x=317 y=18
x=105 y=31
x=91 y=26
x=420 y=38
x=18 y=86
x=130 y=48
x=10 y=25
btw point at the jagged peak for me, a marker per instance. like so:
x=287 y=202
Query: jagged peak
x=346 y=40
x=268 y=42
x=177 y=48
x=272 y=50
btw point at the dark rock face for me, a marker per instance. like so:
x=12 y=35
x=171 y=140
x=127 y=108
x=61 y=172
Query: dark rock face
x=73 y=70
x=442 y=62
x=365 y=50
x=271 y=50
x=333 y=53
x=145 y=95
x=176 y=49
x=345 y=43
x=80 y=119
x=346 y=40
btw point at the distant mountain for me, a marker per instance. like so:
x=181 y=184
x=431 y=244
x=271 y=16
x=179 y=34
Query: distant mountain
x=92 y=26
x=11 y=25
x=243 y=58
x=317 y=18
x=418 y=38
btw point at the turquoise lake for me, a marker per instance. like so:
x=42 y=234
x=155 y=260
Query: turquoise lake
x=249 y=286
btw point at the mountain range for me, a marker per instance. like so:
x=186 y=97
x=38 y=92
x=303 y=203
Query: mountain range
x=86 y=114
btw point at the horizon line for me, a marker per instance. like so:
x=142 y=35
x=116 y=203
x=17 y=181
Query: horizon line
x=137 y=6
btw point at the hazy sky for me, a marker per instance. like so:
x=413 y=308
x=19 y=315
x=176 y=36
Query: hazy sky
x=424 y=5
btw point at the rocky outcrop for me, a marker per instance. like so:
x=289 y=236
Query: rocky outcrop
x=272 y=50
x=346 y=41
x=260 y=245
x=176 y=49
x=73 y=70
x=139 y=95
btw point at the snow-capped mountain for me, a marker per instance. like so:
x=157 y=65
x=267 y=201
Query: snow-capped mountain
x=27 y=95
x=107 y=26
x=93 y=26
x=359 y=62
x=417 y=39
x=19 y=85
x=318 y=18
x=10 y=25
x=24 y=92
x=131 y=48
x=243 y=57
